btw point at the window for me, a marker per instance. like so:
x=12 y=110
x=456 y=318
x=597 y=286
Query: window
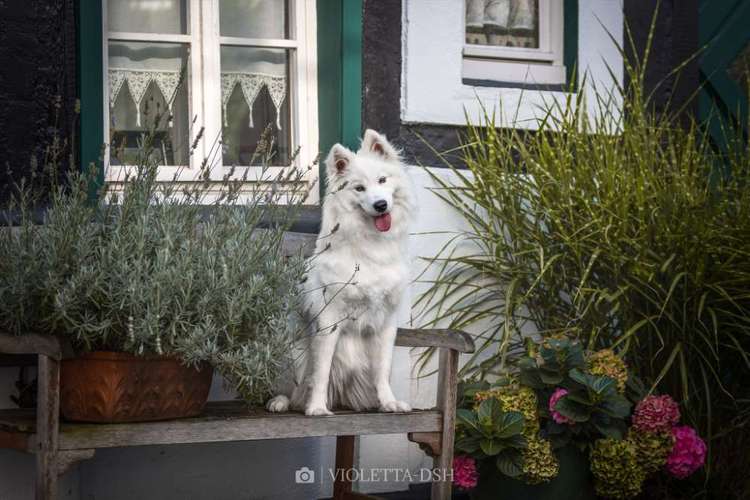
x=235 y=67
x=514 y=41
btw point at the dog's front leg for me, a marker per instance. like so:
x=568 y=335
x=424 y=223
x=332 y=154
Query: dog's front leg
x=322 y=348
x=381 y=367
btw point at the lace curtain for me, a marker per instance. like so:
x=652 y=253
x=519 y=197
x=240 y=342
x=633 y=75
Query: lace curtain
x=136 y=66
x=252 y=70
x=510 y=23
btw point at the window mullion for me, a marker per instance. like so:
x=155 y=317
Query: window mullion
x=557 y=31
x=196 y=81
x=545 y=24
x=307 y=118
x=210 y=115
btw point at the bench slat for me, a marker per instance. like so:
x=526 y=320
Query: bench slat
x=227 y=421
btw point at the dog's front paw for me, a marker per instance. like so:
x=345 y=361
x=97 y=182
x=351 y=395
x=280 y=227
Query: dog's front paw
x=316 y=411
x=395 y=406
x=278 y=404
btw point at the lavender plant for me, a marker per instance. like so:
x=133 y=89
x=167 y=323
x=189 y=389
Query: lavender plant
x=190 y=269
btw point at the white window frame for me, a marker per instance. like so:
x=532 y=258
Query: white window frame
x=205 y=87
x=542 y=65
x=432 y=87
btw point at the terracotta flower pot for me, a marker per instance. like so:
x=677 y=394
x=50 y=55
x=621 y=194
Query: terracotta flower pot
x=110 y=387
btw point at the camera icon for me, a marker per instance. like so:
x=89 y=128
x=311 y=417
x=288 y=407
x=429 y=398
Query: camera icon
x=304 y=475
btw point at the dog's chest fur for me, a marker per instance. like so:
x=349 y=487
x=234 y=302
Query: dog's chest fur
x=376 y=277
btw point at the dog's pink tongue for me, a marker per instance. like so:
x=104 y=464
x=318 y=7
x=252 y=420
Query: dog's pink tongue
x=383 y=222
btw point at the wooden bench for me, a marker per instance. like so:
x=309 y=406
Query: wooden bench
x=58 y=445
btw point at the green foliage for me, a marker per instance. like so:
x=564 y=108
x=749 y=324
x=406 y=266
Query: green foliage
x=593 y=402
x=652 y=449
x=614 y=464
x=555 y=359
x=488 y=432
x=606 y=362
x=564 y=403
x=540 y=463
x=172 y=268
x=625 y=230
x=506 y=419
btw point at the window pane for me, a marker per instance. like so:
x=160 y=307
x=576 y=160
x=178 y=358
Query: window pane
x=148 y=16
x=254 y=18
x=504 y=23
x=148 y=84
x=254 y=95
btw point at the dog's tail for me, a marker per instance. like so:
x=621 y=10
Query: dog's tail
x=278 y=404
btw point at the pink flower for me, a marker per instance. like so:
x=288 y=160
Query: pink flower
x=656 y=413
x=556 y=415
x=688 y=453
x=465 y=474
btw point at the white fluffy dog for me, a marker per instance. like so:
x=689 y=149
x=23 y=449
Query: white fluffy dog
x=355 y=283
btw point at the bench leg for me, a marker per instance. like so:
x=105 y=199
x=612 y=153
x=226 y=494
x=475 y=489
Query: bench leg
x=342 y=489
x=446 y=403
x=344 y=463
x=47 y=427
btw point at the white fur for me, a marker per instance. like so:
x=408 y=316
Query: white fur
x=355 y=284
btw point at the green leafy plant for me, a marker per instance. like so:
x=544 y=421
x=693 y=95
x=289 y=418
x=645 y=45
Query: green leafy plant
x=190 y=269
x=555 y=359
x=555 y=407
x=592 y=401
x=625 y=228
x=488 y=432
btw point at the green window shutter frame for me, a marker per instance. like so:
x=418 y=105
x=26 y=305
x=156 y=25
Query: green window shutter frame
x=339 y=75
x=90 y=74
x=570 y=42
x=724 y=38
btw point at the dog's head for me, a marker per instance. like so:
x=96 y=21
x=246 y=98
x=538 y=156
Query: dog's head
x=371 y=181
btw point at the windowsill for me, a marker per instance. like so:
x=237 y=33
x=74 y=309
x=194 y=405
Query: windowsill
x=521 y=72
x=551 y=87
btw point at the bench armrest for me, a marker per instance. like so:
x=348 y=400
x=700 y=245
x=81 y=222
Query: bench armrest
x=447 y=338
x=31 y=343
x=450 y=344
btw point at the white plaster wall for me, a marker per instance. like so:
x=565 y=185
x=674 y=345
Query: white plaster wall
x=432 y=46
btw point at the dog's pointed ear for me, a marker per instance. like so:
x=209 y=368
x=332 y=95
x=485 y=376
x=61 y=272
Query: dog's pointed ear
x=338 y=161
x=377 y=144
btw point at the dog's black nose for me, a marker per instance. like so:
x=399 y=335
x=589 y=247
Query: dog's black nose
x=380 y=205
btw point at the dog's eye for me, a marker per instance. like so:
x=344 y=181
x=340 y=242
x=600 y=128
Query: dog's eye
x=359 y=188
x=381 y=180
